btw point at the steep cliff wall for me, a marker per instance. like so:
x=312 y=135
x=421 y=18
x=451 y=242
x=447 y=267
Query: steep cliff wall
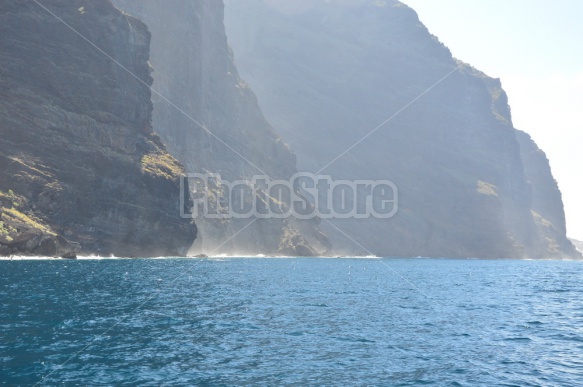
x=547 y=202
x=327 y=73
x=200 y=93
x=78 y=157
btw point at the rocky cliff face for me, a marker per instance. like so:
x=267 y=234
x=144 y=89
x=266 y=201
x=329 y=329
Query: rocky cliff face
x=327 y=73
x=547 y=202
x=80 y=167
x=210 y=120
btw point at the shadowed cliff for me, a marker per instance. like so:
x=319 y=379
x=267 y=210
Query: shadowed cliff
x=210 y=120
x=80 y=167
x=327 y=73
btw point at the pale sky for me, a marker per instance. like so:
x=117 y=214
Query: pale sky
x=536 y=48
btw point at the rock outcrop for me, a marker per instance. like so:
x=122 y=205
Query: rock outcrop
x=328 y=73
x=546 y=200
x=578 y=244
x=81 y=170
x=209 y=118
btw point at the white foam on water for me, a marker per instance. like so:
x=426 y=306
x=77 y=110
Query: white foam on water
x=26 y=258
x=220 y=257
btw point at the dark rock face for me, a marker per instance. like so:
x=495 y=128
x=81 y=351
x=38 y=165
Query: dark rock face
x=195 y=73
x=327 y=73
x=80 y=167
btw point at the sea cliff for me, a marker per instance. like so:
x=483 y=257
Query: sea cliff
x=210 y=120
x=362 y=90
x=81 y=170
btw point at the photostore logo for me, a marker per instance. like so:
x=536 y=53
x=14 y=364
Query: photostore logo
x=304 y=196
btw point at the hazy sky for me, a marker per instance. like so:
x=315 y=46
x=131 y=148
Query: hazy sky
x=536 y=48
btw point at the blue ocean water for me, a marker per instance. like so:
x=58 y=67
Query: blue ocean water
x=389 y=322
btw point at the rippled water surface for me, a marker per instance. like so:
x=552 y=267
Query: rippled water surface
x=291 y=322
